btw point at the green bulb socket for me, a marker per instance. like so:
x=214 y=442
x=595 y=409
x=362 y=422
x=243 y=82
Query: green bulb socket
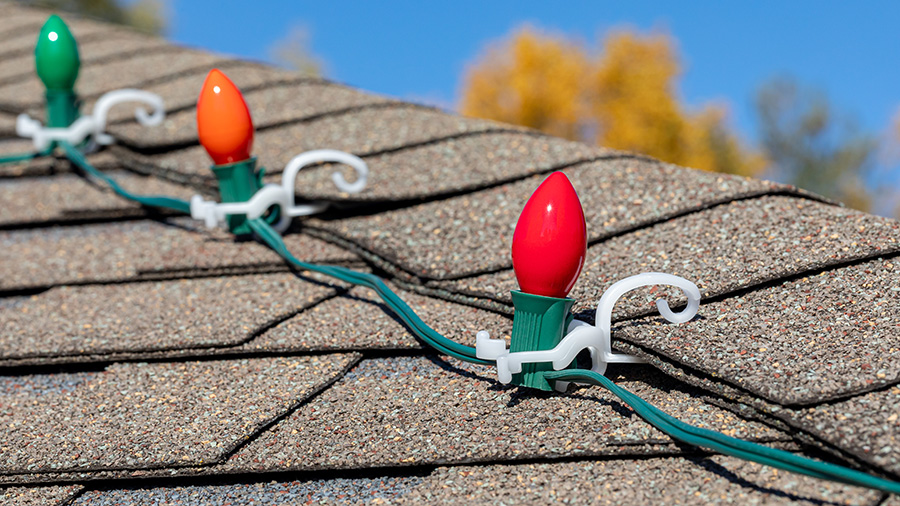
x=238 y=182
x=62 y=108
x=539 y=323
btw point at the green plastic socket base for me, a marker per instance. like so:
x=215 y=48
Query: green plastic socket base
x=539 y=323
x=62 y=108
x=237 y=183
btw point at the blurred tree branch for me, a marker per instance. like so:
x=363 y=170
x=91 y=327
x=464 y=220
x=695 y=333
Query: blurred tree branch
x=148 y=16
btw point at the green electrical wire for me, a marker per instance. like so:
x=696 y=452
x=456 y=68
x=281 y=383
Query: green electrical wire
x=666 y=423
x=78 y=159
x=402 y=309
x=23 y=157
x=725 y=444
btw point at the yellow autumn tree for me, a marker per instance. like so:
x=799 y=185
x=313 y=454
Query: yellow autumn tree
x=535 y=80
x=624 y=98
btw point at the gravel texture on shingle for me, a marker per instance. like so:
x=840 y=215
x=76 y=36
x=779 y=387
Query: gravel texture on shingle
x=334 y=491
x=19 y=28
x=110 y=75
x=141 y=249
x=268 y=106
x=669 y=480
x=46 y=165
x=473 y=232
x=69 y=197
x=38 y=496
x=723 y=249
x=115 y=45
x=866 y=426
x=418 y=410
x=187 y=313
x=359 y=320
x=454 y=165
x=359 y=131
x=182 y=93
x=803 y=341
x=139 y=415
x=7 y=126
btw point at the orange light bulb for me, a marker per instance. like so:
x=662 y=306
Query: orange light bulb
x=224 y=124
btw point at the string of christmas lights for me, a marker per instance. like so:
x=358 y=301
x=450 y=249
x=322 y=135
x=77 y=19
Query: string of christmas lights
x=548 y=253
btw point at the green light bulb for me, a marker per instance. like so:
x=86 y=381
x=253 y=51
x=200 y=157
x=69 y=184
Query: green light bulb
x=56 y=55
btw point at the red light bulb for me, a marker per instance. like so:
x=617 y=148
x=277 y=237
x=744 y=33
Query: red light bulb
x=550 y=241
x=223 y=120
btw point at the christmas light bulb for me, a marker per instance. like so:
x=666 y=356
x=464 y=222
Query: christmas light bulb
x=56 y=55
x=224 y=124
x=550 y=240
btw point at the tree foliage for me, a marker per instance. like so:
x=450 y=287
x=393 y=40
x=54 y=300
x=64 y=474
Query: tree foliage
x=812 y=146
x=292 y=52
x=625 y=98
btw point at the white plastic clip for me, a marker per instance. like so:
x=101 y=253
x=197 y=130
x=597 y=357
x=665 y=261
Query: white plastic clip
x=93 y=125
x=581 y=335
x=213 y=213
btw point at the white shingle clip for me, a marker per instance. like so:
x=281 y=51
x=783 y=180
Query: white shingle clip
x=581 y=335
x=213 y=213
x=92 y=126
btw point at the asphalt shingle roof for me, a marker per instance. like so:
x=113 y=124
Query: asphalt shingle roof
x=145 y=359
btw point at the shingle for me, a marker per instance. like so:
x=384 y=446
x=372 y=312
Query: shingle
x=802 y=341
x=7 y=126
x=102 y=77
x=179 y=314
x=182 y=92
x=866 y=426
x=359 y=131
x=268 y=105
x=140 y=415
x=115 y=45
x=45 y=165
x=38 y=496
x=455 y=165
x=134 y=250
x=359 y=320
x=472 y=233
x=69 y=197
x=670 y=480
x=727 y=248
x=333 y=491
x=417 y=410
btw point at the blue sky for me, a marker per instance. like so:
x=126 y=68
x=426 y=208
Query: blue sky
x=419 y=50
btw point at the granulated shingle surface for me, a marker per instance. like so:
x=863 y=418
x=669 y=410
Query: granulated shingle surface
x=38 y=496
x=115 y=45
x=669 y=480
x=722 y=249
x=126 y=251
x=799 y=342
x=268 y=106
x=111 y=75
x=866 y=425
x=359 y=320
x=182 y=93
x=187 y=313
x=473 y=232
x=466 y=163
x=408 y=411
x=70 y=197
x=336 y=491
x=142 y=415
x=45 y=165
x=361 y=131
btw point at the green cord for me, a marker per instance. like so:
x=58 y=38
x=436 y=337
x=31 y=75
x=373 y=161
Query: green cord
x=725 y=444
x=23 y=157
x=149 y=200
x=666 y=423
x=426 y=333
